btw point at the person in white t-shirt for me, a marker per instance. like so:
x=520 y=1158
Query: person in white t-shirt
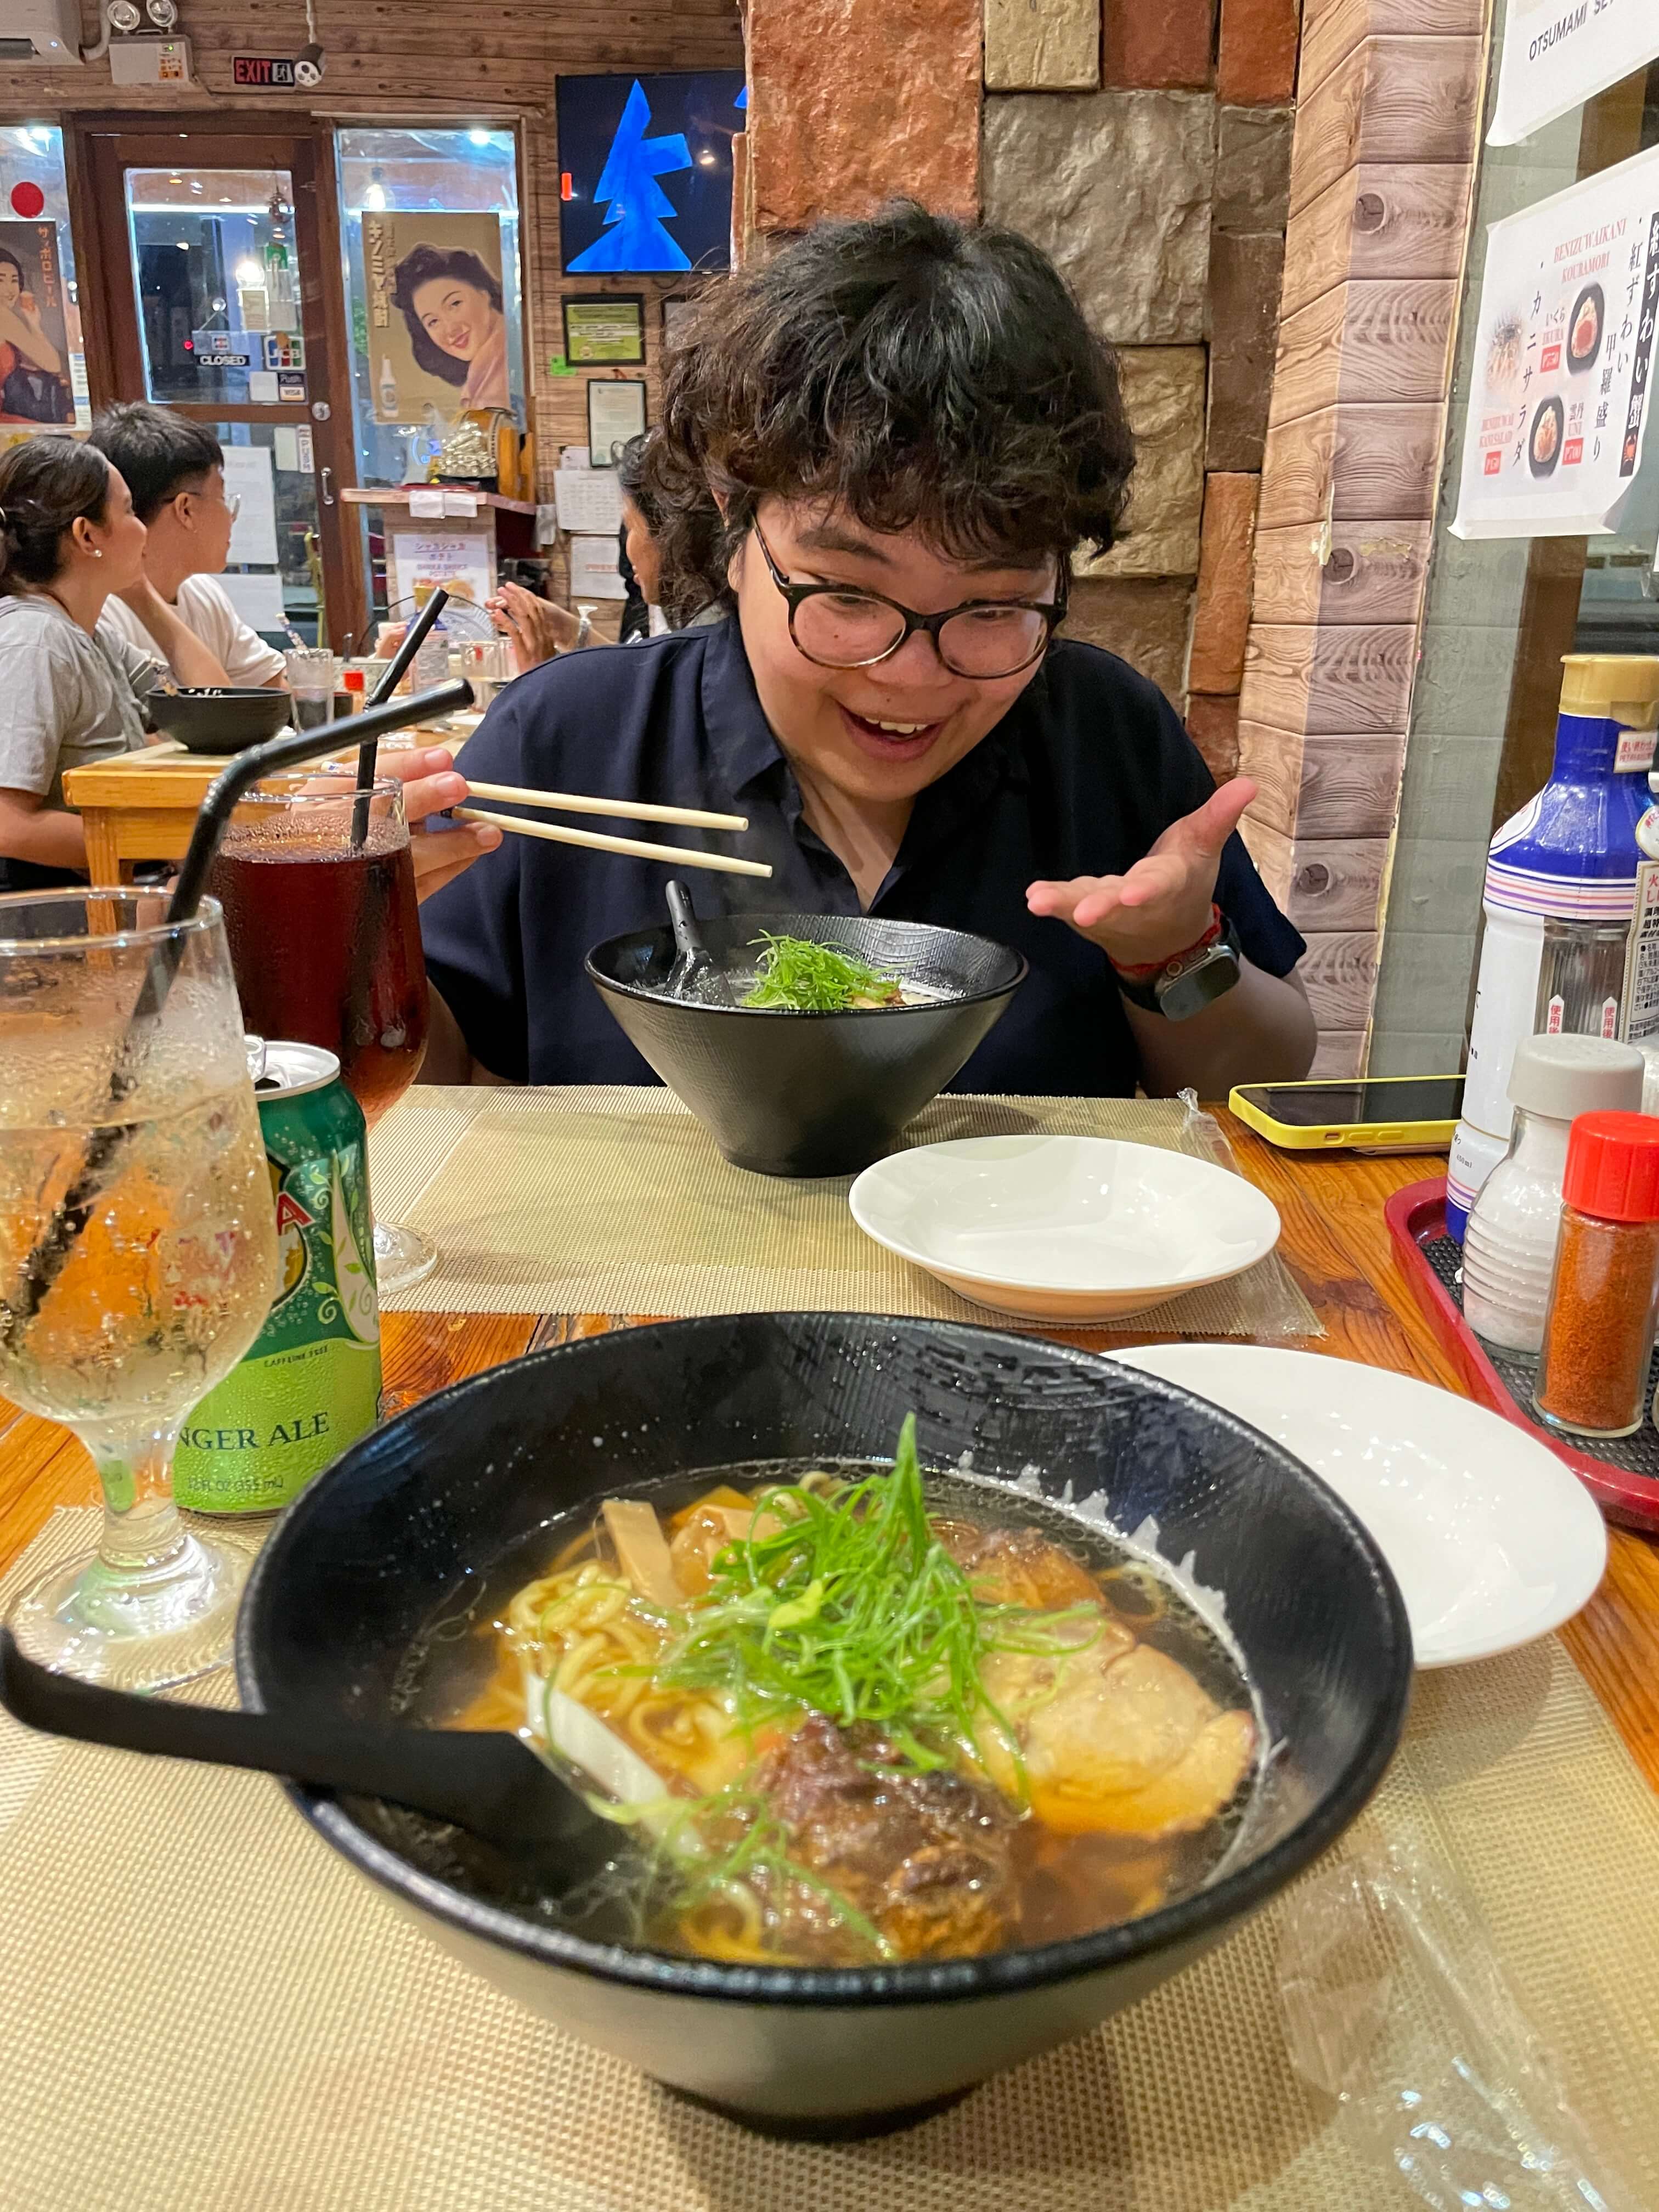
x=175 y=469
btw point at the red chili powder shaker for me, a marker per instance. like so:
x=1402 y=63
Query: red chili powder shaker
x=1604 y=1297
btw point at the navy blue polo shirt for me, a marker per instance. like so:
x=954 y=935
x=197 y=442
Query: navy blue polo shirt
x=1087 y=767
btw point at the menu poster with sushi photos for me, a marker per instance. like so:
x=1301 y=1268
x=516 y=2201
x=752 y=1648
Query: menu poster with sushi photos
x=1559 y=53
x=1560 y=384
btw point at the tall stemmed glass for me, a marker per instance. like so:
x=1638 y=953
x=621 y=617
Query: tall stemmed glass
x=319 y=893
x=167 y=1272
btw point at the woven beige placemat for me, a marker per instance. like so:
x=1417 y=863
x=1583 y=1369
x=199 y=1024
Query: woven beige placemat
x=205 y=2011
x=614 y=1200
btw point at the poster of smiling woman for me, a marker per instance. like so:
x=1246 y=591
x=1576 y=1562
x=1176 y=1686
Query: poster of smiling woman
x=437 y=323
x=34 y=378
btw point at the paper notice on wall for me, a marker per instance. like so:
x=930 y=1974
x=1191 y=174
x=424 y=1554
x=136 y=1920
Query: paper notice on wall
x=460 y=560
x=593 y=571
x=1560 y=381
x=262 y=387
x=285 y=448
x=426 y=502
x=248 y=478
x=1559 y=53
x=258 y=599
x=588 y=499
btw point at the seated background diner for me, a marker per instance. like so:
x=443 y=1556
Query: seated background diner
x=175 y=469
x=879 y=455
x=71 y=686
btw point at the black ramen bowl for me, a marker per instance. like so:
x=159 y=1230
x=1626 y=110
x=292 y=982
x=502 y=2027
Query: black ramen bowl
x=219 y=720
x=793 y=1094
x=396 y=1535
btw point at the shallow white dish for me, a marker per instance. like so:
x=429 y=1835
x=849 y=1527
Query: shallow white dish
x=1072 y=1229
x=1493 y=1540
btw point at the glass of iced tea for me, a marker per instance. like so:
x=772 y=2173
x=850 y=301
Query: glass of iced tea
x=317 y=885
x=138 y=1254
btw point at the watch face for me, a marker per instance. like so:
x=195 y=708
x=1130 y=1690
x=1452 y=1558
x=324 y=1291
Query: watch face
x=1199 y=986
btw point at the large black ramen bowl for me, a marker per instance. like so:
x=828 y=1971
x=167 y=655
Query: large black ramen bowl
x=808 y=1094
x=222 y=720
x=395 y=1536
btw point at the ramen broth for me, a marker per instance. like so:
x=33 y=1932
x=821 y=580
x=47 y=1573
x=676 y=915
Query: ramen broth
x=1124 y=1759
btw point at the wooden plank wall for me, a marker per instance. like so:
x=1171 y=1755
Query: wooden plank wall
x=471 y=61
x=1381 y=184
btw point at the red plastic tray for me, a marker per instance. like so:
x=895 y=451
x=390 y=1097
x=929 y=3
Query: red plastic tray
x=1416 y=1215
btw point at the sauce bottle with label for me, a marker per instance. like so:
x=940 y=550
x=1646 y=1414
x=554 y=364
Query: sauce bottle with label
x=1560 y=886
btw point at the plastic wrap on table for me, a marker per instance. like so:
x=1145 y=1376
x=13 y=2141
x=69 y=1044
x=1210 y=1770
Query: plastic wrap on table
x=1394 y=2005
x=1272 y=1305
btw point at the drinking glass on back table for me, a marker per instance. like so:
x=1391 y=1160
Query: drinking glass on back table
x=312 y=672
x=318 y=886
x=137 y=1255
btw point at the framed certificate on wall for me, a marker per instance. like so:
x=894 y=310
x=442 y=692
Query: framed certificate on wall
x=616 y=413
x=609 y=328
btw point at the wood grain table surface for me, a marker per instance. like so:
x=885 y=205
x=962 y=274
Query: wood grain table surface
x=1335 y=1243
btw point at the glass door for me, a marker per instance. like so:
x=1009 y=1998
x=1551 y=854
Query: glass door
x=215 y=257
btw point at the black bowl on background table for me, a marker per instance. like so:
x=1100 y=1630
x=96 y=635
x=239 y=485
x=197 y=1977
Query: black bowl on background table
x=400 y=1532
x=222 y=720
x=808 y=1094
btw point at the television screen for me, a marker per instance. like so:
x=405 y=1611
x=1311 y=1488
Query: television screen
x=645 y=172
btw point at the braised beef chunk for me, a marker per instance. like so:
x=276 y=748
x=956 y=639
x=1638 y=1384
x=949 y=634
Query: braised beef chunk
x=927 y=1856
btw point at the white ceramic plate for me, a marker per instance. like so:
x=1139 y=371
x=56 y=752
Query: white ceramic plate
x=1070 y=1229
x=1492 y=1539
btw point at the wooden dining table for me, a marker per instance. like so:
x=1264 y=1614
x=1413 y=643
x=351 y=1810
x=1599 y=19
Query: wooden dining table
x=1336 y=1244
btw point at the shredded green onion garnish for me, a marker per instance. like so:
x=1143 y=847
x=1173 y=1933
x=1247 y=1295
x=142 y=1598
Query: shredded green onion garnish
x=852 y=1607
x=809 y=978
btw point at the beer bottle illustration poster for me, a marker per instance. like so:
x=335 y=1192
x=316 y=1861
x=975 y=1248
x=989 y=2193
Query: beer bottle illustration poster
x=1560 y=387
x=437 y=319
x=34 y=369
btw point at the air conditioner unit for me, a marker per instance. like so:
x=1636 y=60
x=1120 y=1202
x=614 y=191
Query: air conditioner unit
x=45 y=31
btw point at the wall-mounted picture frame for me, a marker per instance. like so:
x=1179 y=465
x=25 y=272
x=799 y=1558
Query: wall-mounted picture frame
x=616 y=413
x=606 y=331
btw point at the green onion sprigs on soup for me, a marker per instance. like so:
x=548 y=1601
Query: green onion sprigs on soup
x=800 y=976
x=853 y=1720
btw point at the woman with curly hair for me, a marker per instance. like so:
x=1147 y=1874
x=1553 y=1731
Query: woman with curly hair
x=878 y=453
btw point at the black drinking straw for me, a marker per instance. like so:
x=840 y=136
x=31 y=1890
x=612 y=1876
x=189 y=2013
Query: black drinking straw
x=414 y=639
x=44 y=1263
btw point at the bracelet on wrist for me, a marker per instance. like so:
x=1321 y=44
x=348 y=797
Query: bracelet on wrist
x=1143 y=971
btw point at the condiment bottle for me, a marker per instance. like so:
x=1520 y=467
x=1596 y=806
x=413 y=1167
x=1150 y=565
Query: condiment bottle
x=355 y=684
x=1559 y=888
x=1508 y=1249
x=1598 y=1337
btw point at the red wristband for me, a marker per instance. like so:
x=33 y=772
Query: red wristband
x=1142 y=971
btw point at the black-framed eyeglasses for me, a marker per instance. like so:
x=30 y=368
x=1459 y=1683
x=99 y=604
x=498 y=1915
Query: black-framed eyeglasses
x=839 y=627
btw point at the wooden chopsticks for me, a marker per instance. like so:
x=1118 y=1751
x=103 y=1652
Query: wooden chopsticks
x=619 y=810
x=556 y=832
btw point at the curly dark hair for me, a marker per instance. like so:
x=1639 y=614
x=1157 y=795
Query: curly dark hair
x=919 y=371
x=421 y=265
x=687 y=535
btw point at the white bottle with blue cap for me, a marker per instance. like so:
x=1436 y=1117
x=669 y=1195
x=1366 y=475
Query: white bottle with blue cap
x=1560 y=886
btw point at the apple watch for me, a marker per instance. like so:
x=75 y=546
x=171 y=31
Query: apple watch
x=1185 y=984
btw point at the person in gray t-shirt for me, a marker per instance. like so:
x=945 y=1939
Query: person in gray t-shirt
x=71 y=686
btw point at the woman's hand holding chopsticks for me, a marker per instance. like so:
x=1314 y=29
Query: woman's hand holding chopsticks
x=432 y=782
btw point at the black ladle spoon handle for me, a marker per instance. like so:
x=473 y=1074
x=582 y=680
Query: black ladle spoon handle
x=694 y=954
x=483 y=1780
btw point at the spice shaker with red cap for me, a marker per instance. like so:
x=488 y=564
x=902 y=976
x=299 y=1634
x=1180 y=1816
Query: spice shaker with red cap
x=1598 y=1335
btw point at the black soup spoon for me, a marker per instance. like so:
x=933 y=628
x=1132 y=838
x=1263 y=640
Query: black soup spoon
x=483 y=1780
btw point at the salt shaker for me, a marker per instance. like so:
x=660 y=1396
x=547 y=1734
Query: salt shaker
x=1508 y=1247
x=1598 y=1335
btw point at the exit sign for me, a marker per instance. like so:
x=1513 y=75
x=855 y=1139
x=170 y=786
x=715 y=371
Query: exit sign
x=262 y=69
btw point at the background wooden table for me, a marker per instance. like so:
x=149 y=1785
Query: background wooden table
x=1335 y=1243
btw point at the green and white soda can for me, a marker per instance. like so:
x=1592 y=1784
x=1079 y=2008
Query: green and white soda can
x=312 y=1381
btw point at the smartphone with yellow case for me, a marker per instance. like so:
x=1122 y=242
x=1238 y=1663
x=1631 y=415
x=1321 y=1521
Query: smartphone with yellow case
x=1380 y=1114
